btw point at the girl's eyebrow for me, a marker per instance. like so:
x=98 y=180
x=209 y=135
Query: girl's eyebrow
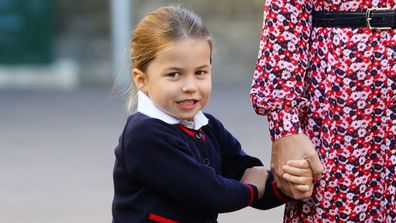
x=174 y=68
x=203 y=66
x=179 y=68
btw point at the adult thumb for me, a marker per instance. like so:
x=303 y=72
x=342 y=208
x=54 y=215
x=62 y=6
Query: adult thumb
x=316 y=165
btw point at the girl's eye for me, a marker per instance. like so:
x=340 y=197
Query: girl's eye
x=173 y=74
x=201 y=72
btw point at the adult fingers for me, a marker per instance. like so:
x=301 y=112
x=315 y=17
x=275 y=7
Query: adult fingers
x=316 y=165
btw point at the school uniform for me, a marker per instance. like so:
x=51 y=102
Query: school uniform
x=167 y=170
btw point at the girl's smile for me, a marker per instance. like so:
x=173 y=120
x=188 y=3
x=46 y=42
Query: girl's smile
x=188 y=104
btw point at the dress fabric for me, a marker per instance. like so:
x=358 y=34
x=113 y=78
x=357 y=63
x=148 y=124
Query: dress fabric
x=338 y=86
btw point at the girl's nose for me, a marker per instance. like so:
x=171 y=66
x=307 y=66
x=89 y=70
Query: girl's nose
x=189 y=85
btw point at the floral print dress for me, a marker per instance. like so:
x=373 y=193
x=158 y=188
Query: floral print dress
x=338 y=86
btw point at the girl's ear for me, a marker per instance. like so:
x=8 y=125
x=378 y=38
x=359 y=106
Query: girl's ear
x=140 y=79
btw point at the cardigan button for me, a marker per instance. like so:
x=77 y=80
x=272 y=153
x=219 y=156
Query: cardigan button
x=206 y=161
x=198 y=135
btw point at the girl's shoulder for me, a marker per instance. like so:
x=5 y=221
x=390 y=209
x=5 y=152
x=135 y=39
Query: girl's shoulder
x=214 y=122
x=139 y=122
x=141 y=130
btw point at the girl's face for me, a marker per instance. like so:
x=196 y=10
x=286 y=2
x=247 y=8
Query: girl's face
x=178 y=80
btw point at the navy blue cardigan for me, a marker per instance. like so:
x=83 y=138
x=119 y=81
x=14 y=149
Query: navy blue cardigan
x=168 y=173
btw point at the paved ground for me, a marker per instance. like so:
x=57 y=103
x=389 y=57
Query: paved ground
x=56 y=152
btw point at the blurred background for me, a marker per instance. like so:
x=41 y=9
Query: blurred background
x=61 y=114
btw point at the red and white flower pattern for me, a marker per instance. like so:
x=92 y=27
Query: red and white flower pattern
x=338 y=86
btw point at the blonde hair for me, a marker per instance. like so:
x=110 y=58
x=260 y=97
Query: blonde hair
x=159 y=30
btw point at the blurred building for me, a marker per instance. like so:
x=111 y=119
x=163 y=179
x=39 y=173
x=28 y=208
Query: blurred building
x=67 y=43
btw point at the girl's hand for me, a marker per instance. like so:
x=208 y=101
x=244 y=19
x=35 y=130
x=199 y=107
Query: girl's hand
x=256 y=176
x=299 y=174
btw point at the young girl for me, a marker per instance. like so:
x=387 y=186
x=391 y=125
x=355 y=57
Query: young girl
x=173 y=162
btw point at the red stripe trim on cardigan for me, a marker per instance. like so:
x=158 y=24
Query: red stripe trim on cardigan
x=191 y=132
x=160 y=219
x=277 y=193
x=251 y=194
x=186 y=130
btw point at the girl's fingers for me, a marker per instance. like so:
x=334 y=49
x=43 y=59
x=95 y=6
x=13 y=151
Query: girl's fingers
x=302 y=163
x=302 y=188
x=297 y=179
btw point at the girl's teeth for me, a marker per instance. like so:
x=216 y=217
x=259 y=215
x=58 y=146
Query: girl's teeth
x=187 y=102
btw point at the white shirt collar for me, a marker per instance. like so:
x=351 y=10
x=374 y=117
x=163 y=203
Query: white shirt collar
x=147 y=107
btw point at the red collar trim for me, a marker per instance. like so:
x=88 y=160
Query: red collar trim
x=191 y=132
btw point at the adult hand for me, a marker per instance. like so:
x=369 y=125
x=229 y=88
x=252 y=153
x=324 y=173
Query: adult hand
x=294 y=147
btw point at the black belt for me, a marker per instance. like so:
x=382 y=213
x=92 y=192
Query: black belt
x=373 y=18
